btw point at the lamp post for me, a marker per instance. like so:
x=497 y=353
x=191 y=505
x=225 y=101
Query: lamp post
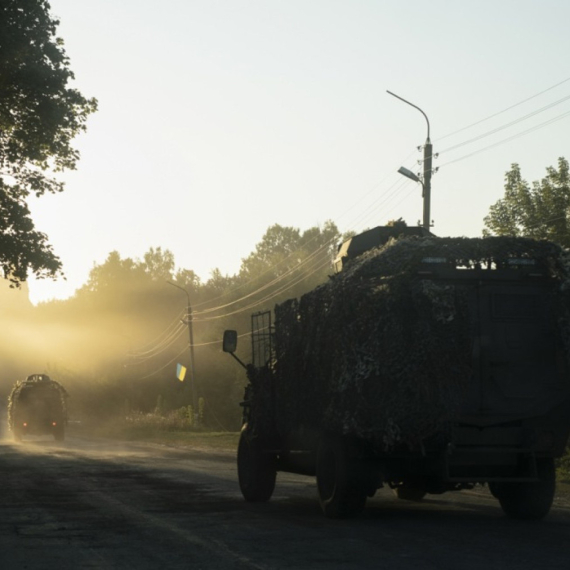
x=188 y=322
x=428 y=155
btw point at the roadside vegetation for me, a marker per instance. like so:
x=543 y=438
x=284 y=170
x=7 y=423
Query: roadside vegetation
x=168 y=429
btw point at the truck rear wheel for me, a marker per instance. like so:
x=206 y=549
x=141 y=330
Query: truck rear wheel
x=340 y=496
x=530 y=501
x=256 y=470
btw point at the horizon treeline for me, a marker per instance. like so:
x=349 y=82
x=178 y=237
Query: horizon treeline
x=115 y=344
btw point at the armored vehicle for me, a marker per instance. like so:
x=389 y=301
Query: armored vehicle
x=38 y=406
x=425 y=364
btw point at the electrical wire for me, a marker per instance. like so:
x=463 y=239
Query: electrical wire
x=212 y=342
x=373 y=208
x=173 y=324
x=404 y=198
x=374 y=189
x=276 y=293
x=173 y=339
x=513 y=137
x=163 y=367
x=241 y=285
x=504 y=110
x=158 y=347
x=506 y=125
x=273 y=282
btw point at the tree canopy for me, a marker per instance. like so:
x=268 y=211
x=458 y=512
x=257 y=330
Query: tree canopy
x=283 y=249
x=540 y=210
x=40 y=114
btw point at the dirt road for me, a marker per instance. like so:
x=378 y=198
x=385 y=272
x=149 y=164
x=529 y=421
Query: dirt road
x=92 y=504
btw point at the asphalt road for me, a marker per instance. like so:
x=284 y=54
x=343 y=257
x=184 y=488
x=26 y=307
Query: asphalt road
x=94 y=504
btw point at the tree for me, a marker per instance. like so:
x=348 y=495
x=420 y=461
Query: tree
x=283 y=249
x=39 y=116
x=539 y=211
x=159 y=264
x=278 y=250
x=115 y=275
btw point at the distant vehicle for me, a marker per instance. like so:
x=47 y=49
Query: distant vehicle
x=38 y=406
x=426 y=364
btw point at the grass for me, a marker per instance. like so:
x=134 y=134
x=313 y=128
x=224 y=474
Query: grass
x=147 y=431
x=219 y=441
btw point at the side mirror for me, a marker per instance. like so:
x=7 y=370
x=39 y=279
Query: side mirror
x=230 y=341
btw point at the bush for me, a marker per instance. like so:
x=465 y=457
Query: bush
x=176 y=420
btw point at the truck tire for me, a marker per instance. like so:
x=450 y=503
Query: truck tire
x=529 y=501
x=339 y=494
x=256 y=470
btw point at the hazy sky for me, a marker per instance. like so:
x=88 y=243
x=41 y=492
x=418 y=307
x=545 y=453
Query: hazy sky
x=219 y=118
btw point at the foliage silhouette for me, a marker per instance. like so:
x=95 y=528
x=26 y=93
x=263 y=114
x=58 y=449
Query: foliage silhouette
x=539 y=211
x=40 y=114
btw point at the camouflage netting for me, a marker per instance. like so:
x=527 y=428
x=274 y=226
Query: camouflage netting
x=35 y=382
x=382 y=353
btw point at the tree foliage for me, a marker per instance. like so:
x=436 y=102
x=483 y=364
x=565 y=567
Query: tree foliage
x=40 y=114
x=540 y=210
x=282 y=249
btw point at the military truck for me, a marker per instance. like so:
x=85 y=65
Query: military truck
x=424 y=364
x=38 y=406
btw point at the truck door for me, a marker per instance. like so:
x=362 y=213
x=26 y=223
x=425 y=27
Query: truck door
x=519 y=361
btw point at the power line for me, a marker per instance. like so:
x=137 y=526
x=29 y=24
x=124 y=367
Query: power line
x=375 y=188
x=404 y=198
x=160 y=350
x=279 y=278
x=375 y=206
x=166 y=332
x=504 y=110
x=163 y=367
x=516 y=136
x=212 y=342
x=158 y=347
x=277 y=292
x=506 y=125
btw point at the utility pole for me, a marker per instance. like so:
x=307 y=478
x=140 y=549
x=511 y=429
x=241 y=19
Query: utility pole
x=188 y=323
x=428 y=156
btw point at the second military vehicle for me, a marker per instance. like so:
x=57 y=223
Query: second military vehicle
x=38 y=406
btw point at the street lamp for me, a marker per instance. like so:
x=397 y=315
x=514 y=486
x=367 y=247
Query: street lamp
x=188 y=322
x=428 y=155
x=409 y=174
